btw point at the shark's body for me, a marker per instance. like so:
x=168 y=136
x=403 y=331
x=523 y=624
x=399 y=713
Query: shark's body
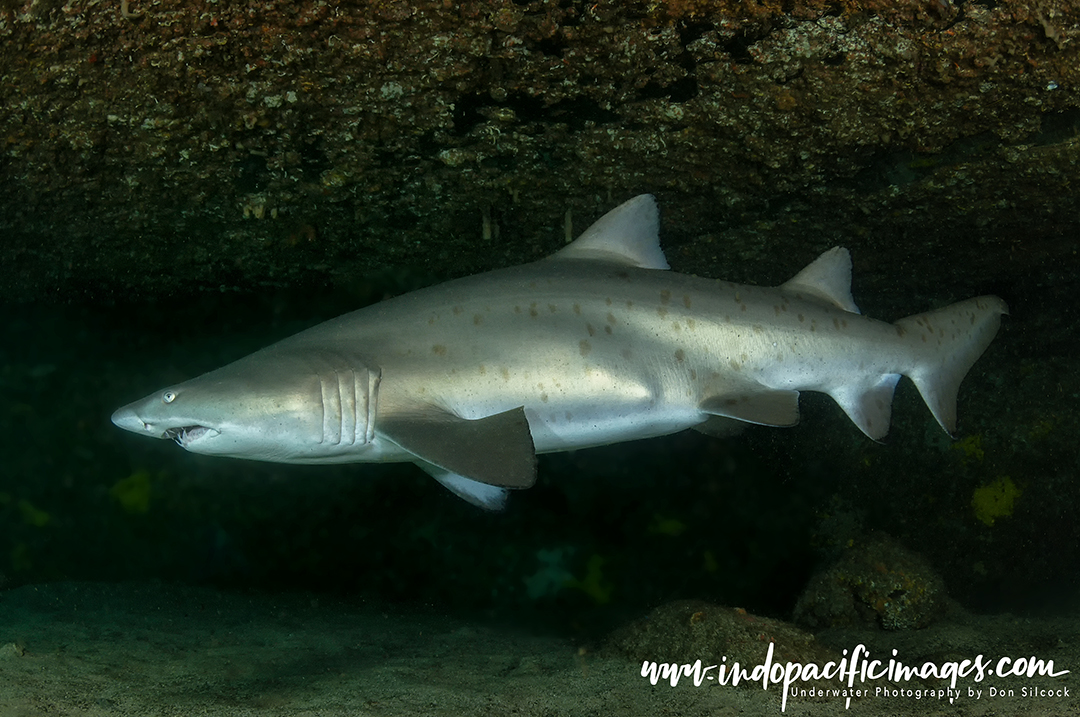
x=597 y=344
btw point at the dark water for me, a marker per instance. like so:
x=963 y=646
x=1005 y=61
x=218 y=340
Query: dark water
x=740 y=521
x=605 y=536
x=673 y=517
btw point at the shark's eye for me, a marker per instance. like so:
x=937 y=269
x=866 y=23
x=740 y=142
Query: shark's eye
x=168 y=397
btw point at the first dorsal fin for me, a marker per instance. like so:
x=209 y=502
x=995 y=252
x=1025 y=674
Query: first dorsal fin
x=629 y=234
x=827 y=278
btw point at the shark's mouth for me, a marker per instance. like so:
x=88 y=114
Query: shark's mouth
x=185 y=435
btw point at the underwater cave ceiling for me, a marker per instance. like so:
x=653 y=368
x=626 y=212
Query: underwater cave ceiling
x=155 y=147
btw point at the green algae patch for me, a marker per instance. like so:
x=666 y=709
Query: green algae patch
x=133 y=493
x=995 y=500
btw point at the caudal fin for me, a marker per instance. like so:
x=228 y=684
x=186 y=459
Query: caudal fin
x=947 y=342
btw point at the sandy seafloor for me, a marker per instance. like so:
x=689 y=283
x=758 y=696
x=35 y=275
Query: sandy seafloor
x=157 y=649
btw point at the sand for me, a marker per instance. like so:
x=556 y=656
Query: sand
x=153 y=649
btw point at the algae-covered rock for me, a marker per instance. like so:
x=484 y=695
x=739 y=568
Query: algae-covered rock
x=877 y=582
x=193 y=145
x=689 y=630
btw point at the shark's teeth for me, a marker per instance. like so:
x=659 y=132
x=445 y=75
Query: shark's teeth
x=183 y=435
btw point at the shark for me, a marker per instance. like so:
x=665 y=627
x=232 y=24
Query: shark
x=596 y=344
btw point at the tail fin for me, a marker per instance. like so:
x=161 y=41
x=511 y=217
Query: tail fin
x=947 y=342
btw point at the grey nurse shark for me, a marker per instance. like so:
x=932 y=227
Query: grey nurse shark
x=597 y=344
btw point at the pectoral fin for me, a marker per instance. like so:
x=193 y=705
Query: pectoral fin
x=764 y=406
x=496 y=450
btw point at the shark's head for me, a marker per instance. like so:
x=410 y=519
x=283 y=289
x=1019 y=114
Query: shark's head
x=271 y=406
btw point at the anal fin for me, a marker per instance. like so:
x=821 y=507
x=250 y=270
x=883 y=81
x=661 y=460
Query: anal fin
x=764 y=406
x=496 y=450
x=869 y=404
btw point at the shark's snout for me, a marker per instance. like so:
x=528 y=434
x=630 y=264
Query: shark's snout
x=185 y=434
x=127 y=419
